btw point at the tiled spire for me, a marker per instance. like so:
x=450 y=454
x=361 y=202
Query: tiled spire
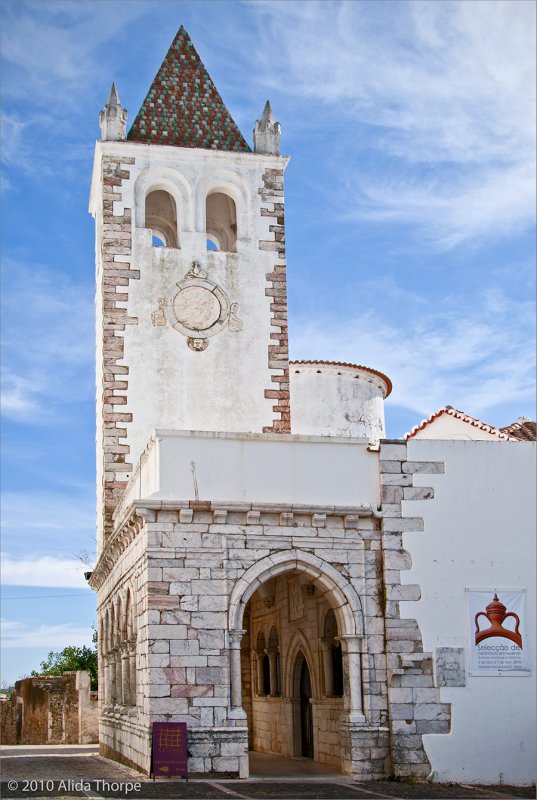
x=183 y=107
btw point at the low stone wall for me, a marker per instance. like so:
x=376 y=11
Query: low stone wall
x=51 y=709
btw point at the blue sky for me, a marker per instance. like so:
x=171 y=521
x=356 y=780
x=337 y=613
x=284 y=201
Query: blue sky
x=410 y=226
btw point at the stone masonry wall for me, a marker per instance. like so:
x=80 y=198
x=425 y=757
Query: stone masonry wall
x=189 y=557
x=278 y=356
x=415 y=706
x=116 y=274
x=46 y=710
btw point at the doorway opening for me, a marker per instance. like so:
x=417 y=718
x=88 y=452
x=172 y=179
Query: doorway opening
x=306 y=716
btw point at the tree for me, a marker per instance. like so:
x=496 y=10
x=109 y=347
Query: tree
x=72 y=659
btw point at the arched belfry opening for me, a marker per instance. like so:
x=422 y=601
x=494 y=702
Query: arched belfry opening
x=161 y=217
x=221 y=222
x=292 y=627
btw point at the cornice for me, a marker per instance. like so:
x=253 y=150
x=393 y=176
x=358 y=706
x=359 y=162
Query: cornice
x=142 y=511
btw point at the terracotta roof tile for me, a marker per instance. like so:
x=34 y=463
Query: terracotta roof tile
x=500 y=433
x=183 y=107
x=385 y=378
x=524 y=429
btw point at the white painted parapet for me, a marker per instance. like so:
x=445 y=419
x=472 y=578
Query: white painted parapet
x=258 y=468
x=336 y=399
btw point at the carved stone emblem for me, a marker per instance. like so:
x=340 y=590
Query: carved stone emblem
x=159 y=317
x=296 y=602
x=198 y=308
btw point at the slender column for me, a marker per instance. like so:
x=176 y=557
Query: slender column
x=235 y=671
x=132 y=670
x=272 y=654
x=118 y=694
x=111 y=678
x=328 y=667
x=352 y=649
x=104 y=680
x=260 y=675
x=125 y=675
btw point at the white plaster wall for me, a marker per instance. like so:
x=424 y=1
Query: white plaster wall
x=448 y=427
x=332 y=400
x=479 y=533
x=222 y=387
x=269 y=468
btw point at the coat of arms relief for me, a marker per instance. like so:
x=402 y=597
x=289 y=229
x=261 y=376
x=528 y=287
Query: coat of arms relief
x=198 y=308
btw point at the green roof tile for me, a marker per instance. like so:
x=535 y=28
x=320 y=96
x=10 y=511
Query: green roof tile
x=183 y=107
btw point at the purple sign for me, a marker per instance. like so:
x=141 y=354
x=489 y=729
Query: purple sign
x=169 y=754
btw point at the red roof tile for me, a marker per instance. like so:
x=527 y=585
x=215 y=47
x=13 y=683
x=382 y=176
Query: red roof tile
x=183 y=107
x=523 y=429
x=500 y=433
x=385 y=378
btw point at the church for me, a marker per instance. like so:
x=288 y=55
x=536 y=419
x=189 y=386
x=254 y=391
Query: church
x=272 y=570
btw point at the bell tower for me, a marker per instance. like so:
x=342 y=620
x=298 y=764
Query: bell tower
x=191 y=271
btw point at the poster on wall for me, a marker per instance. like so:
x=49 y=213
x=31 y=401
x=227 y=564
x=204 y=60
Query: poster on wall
x=498 y=632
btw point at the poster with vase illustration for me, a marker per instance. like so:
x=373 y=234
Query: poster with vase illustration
x=498 y=632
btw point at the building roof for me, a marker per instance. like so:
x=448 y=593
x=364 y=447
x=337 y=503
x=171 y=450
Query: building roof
x=500 y=433
x=183 y=107
x=381 y=375
x=523 y=429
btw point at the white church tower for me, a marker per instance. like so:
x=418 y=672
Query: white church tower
x=241 y=581
x=191 y=269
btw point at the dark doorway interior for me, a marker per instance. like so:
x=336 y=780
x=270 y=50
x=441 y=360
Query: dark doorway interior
x=306 y=717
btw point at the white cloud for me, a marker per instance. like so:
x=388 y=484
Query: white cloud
x=43 y=571
x=17 y=634
x=441 y=88
x=472 y=355
x=54 y=47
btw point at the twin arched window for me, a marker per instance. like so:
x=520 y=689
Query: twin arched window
x=220 y=220
x=268 y=664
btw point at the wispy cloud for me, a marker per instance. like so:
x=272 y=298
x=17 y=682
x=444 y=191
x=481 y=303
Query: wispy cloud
x=473 y=355
x=54 y=46
x=43 y=571
x=56 y=637
x=47 y=342
x=444 y=93
x=61 y=524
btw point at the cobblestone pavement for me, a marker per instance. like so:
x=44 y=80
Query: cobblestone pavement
x=71 y=771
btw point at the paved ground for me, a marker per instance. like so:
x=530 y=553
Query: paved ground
x=71 y=771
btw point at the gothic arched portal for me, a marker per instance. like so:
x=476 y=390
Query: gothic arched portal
x=277 y=675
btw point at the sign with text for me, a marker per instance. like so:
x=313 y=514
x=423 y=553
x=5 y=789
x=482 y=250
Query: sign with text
x=169 y=751
x=497 y=620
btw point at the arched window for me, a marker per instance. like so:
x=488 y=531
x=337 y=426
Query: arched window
x=161 y=217
x=332 y=657
x=262 y=666
x=266 y=675
x=221 y=222
x=274 y=659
